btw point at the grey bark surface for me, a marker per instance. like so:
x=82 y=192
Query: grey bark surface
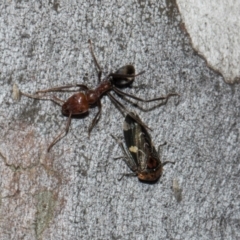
x=214 y=31
x=73 y=192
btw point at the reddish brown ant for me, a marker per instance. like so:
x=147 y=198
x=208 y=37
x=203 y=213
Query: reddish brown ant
x=79 y=103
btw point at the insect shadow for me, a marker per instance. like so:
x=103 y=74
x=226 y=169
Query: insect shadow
x=140 y=154
x=80 y=102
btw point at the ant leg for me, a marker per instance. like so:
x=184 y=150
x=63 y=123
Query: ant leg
x=99 y=76
x=57 y=100
x=167 y=162
x=61 y=88
x=143 y=100
x=51 y=98
x=95 y=61
x=96 y=118
x=62 y=134
x=134 y=174
x=120 y=157
x=121 y=107
x=93 y=56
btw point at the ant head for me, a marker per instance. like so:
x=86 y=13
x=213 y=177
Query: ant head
x=122 y=77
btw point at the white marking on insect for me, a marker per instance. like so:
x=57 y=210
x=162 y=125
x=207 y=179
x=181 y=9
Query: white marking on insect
x=133 y=149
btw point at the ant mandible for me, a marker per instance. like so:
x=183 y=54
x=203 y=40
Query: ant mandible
x=79 y=103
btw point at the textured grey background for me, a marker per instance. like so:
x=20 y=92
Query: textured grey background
x=213 y=27
x=73 y=192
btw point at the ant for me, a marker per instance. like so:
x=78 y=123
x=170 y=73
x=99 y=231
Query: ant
x=79 y=103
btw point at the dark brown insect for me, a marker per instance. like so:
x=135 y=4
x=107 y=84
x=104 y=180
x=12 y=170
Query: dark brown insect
x=140 y=155
x=79 y=103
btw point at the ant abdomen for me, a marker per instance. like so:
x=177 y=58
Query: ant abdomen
x=75 y=105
